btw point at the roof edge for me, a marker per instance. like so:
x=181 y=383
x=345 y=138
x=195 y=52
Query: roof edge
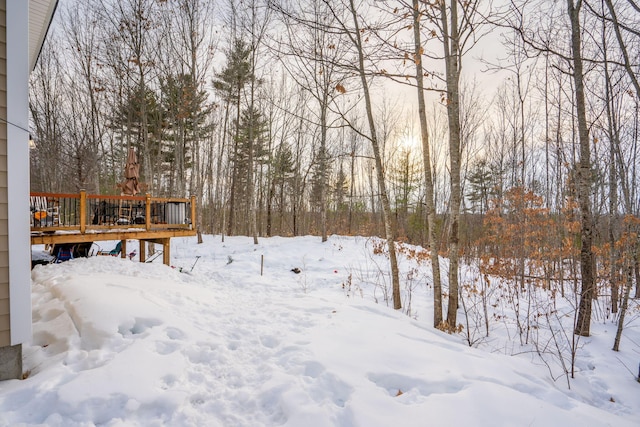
x=53 y=5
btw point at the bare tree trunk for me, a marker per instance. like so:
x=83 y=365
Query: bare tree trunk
x=352 y=183
x=323 y=166
x=613 y=182
x=623 y=48
x=270 y=197
x=426 y=158
x=253 y=216
x=623 y=309
x=587 y=293
x=636 y=270
x=452 y=65
x=234 y=170
x=386 y=208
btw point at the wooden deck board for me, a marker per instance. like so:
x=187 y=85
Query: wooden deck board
x=101 y=235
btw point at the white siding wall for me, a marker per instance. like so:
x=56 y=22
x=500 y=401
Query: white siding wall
x=5 y=324
x=18 y=170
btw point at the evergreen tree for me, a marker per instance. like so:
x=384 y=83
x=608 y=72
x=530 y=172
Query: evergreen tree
x=230 y=83
x=319 y=175
x=341 y=190
x=139 y=113
x=250 y=144
x=186 y=110
x=481 y=187
x=281 y=183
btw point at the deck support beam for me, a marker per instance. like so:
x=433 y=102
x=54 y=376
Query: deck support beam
x=80 y=238
x=166 y=249
x=143 y=250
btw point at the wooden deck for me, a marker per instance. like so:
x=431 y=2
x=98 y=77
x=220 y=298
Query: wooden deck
x=82 y=218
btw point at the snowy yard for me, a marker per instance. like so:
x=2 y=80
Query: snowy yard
x=119 y=343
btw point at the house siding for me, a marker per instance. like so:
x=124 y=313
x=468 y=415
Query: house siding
x=16 y=164
x=5 y=324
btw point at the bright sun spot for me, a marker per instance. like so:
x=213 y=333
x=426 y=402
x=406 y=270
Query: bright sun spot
x=409 y=142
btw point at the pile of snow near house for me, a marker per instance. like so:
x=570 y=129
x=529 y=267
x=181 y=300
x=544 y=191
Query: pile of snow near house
x=239 y=339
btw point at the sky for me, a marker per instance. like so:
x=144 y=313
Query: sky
x=230 y=336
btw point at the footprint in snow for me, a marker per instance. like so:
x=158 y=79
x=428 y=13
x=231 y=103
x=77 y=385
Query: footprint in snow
x=269 y=341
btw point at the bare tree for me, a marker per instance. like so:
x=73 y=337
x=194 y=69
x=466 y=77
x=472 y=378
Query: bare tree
x=131 y=34
x=618 y=27
x=311 y=56
x=349 y=24
x=452 y=32
x=356 y=39
x=257 y=21
x=587 y=293
x=547 y=41
x=230 y=82
x=192 y=46
x=46 y=107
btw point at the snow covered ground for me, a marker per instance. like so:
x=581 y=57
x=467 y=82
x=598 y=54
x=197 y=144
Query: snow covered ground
x=120 y=343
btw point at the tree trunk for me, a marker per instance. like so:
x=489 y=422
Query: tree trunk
x=426 y=158
x=323 y=167
x=587 y=292
x=452 y=69
x=623 y=48
x=636 y=270
x=234 y=167
x=613 y=182
x=272 y=190
x=253 y=216
x=623 y=309
x=386 y=208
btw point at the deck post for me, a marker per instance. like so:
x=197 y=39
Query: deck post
x=147 y=212
x=166 y=251
x=123 y=250
x=143 y=250
x=193 y=213
x=83 y=211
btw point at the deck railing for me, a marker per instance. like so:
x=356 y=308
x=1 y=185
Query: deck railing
x=52 y=212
